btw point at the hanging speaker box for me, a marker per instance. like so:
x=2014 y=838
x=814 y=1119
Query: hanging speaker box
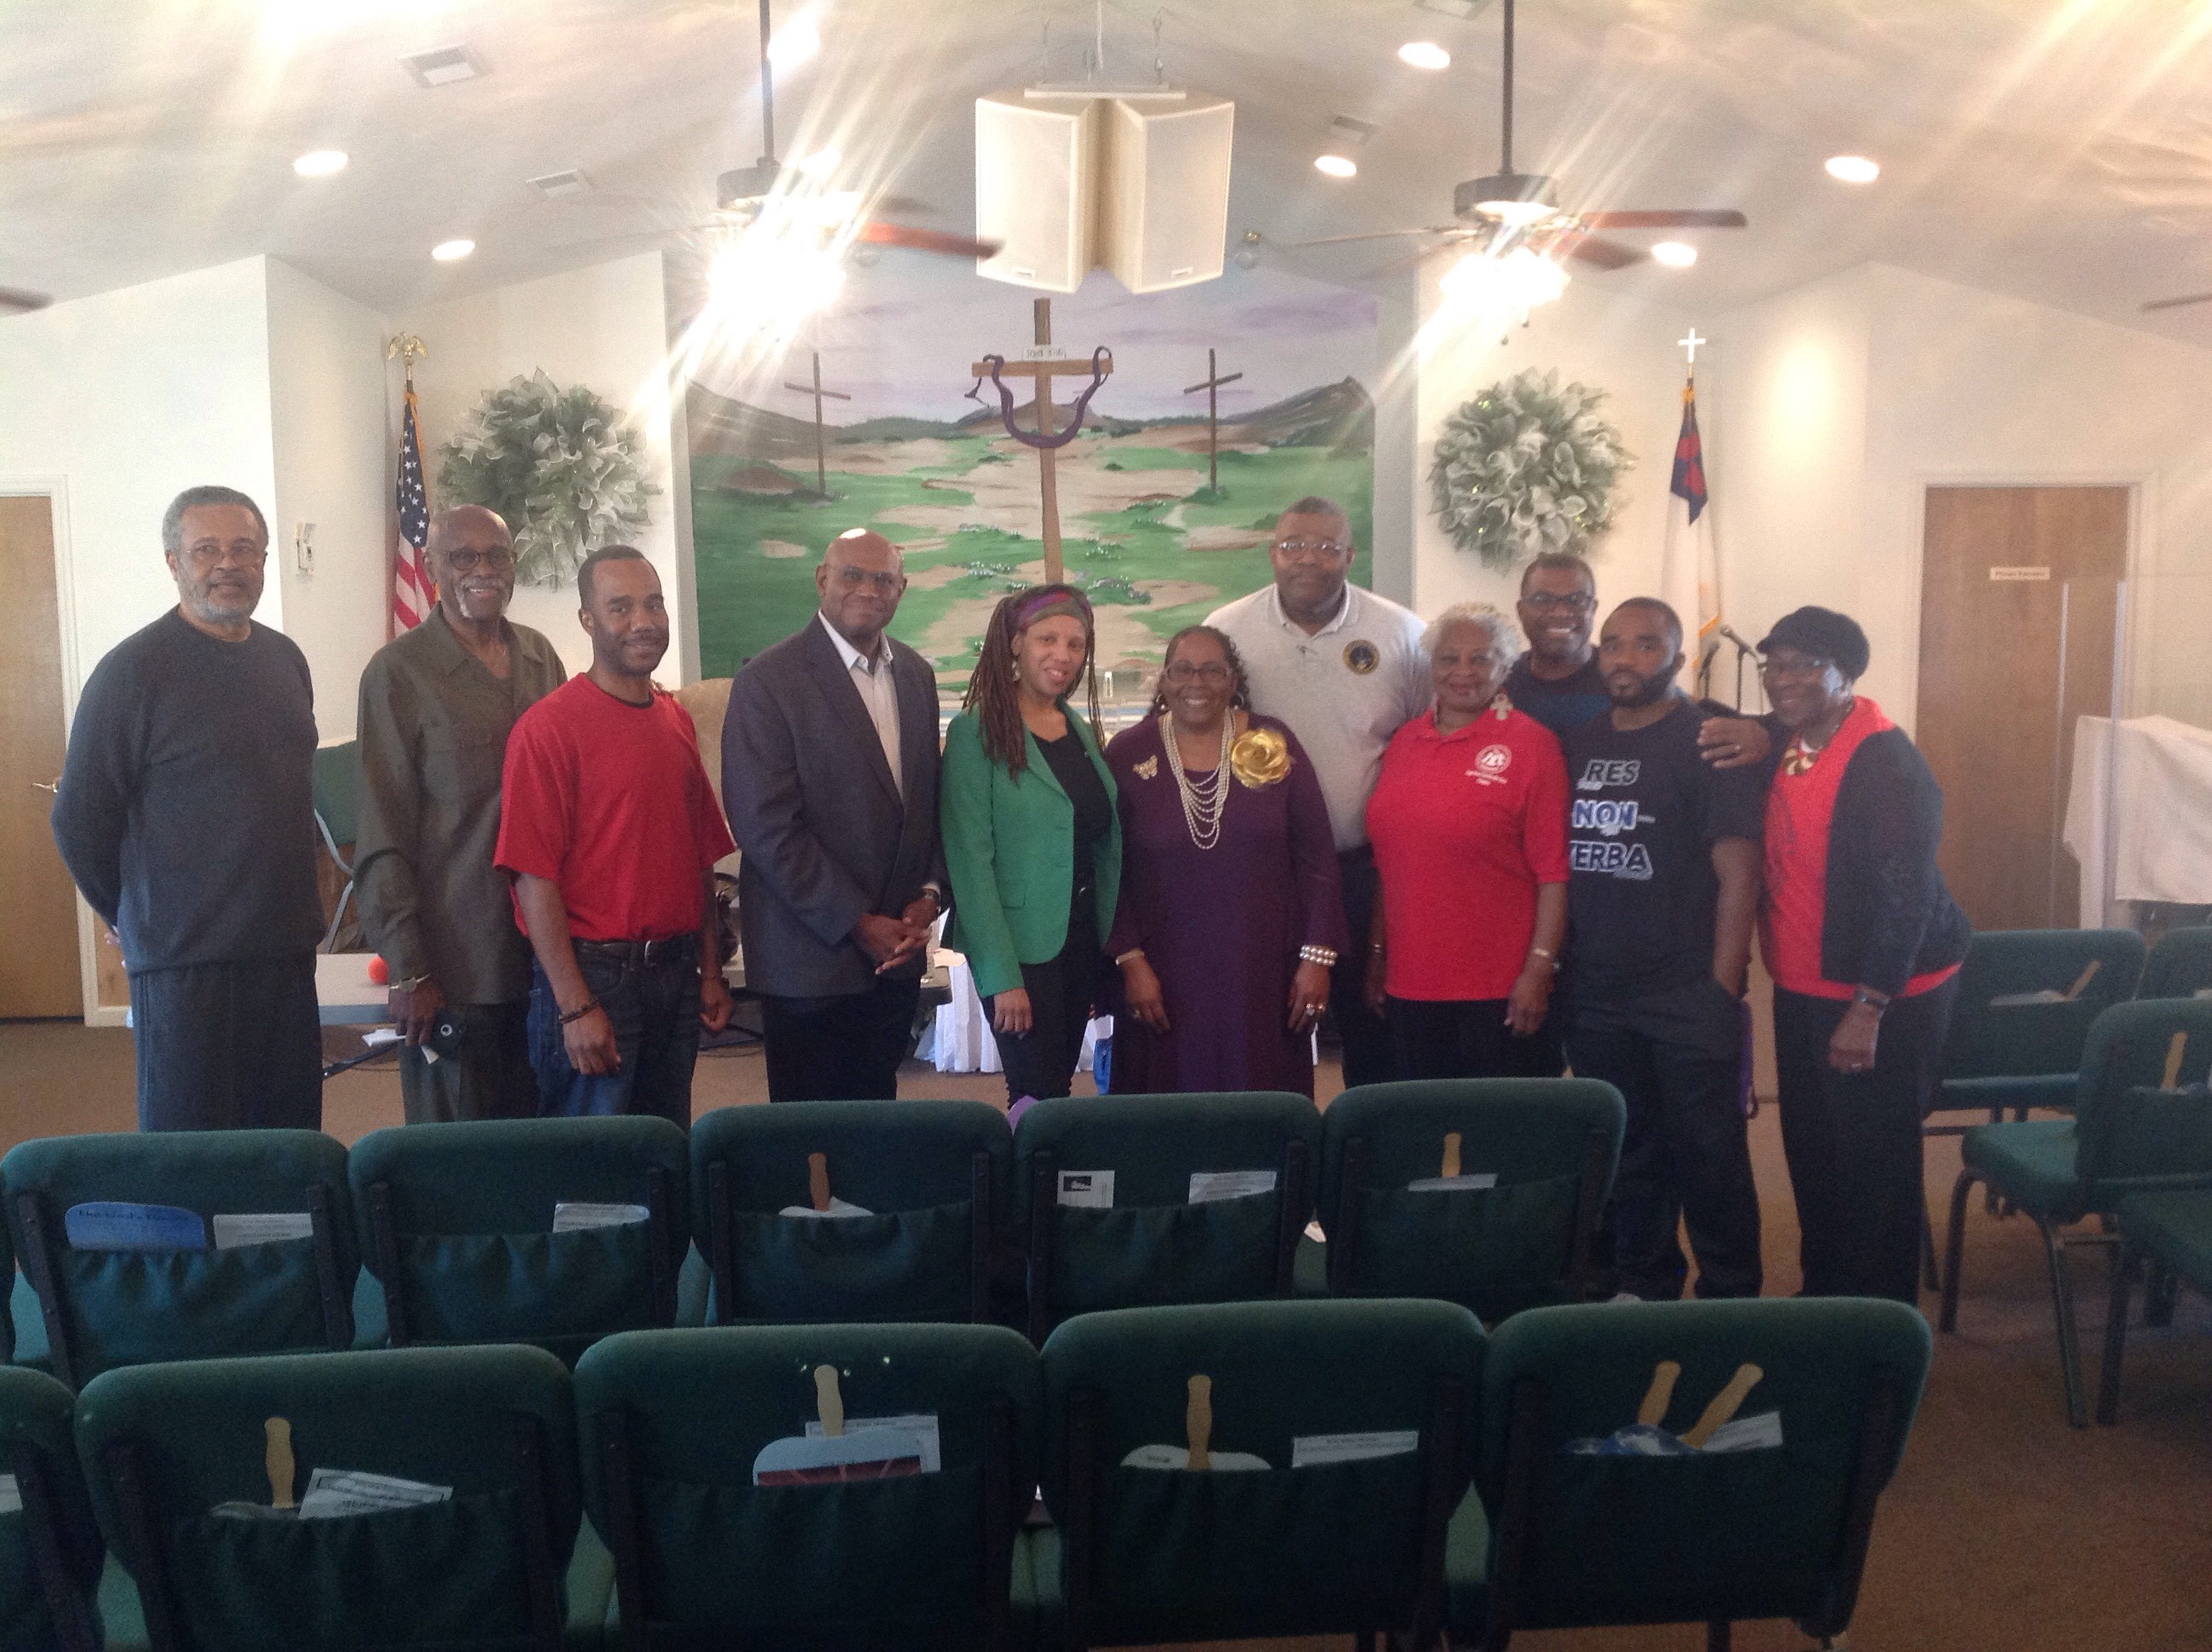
x=1164 y=190
x=1036 y=188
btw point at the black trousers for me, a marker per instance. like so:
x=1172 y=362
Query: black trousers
x=1371 y=1054
x=1676 y=1058
x=1062 y=990
x=489 y=1077
x=846 y=1049
x=1852 y=1140
x=1467 y=1038
x=229 y=1046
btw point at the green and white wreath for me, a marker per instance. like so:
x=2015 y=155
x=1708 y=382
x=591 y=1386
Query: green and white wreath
x=563 y=466
x=1527 y=467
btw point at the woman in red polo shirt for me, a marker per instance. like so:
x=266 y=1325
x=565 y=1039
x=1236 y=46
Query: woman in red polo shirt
x=1469 y=824
x=1863 y=942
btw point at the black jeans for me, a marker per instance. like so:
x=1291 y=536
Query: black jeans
x=1852 y=1140
x=1467 y=1038
x=846 y=1049
x=655 y=1010
x=1676 y=1057
x=1062 y=990
x=1371 y=1054
x=229 y=1046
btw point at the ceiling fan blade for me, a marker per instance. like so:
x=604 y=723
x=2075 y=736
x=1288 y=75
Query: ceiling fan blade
x=2176 y=303
x=1372 y=235
x=16 y=298
x=1589 y=249
x=1698 y=218
x=875 y=233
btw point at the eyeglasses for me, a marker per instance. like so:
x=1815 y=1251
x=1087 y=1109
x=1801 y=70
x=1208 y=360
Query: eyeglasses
x=885 y=582
x=1575 y=602
x=1802 y=667
x=216 y=555
x=1320 y=550
x=498 y=560
x=1213 y=673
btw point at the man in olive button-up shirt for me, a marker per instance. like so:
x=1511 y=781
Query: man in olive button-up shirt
x=436 y=705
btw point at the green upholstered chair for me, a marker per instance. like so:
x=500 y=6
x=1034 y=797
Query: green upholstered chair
x=337 y=818
x=50 y=1548
x=2180 y=965
x=708 y=1555
x=927 y=1181
x=2142 y=1123
x=485 y=1231
x=256 y=1294
x=8 y=1277
x=190 y=1475
x=2171 y=1230
x=1536 y=1157
x=1119 y=1199
x=1267 y=1468
x=1600 y=1513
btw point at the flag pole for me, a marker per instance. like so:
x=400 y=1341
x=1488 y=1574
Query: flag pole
x=407 y=347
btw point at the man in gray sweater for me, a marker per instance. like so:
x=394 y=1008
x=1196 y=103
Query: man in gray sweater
x=187 y=816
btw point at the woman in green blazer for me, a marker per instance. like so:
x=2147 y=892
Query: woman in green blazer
x=1032 y=837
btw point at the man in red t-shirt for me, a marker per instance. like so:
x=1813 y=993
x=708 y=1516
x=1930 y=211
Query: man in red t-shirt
x=612 y=832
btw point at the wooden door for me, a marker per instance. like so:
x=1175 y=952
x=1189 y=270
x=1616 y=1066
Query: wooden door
x=38 y=908
x=2018 y=592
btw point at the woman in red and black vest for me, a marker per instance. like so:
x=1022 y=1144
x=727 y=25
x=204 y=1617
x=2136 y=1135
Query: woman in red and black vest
x=1863 y=942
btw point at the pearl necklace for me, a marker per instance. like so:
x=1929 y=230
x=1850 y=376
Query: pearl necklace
x=1206 y=801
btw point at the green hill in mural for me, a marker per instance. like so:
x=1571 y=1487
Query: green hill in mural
x=1154 y=547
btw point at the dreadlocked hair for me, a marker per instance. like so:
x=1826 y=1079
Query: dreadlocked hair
x=1241 y=700
x=992 y=694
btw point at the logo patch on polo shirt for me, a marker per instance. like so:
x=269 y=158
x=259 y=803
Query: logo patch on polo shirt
x=1491 y=764
x=1361 y=656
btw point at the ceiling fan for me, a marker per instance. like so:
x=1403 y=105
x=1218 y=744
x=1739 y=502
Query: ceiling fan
x=1509 y=208
x=15 y=298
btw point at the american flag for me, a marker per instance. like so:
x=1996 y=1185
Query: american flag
x=412 y=594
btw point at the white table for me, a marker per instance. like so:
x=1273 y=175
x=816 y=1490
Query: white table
x=2142 y=806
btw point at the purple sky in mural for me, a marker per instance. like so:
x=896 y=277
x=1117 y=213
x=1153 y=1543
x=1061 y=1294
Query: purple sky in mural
x=900 y=336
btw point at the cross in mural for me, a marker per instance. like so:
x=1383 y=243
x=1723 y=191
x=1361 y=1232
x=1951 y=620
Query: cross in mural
x=1043 y=364
x=821 y=434
x=1211 y=386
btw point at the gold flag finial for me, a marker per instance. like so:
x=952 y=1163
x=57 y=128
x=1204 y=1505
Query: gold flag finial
x=408 y=348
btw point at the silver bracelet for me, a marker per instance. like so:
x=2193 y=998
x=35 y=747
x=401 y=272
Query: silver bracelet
x=1323 y=955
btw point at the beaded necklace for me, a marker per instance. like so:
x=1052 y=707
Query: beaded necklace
x=1204 y=802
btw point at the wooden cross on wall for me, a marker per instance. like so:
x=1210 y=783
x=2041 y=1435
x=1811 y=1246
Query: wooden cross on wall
x=1043 y=367
x=821 y=438
x=1211 y=386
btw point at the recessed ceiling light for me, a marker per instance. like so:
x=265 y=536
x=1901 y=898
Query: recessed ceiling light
x=1336 y=166
x=320 y=163
x=1676 y=255
x=1853 y=169
x=794 y=43
x=453 y=252
x=1424 y=54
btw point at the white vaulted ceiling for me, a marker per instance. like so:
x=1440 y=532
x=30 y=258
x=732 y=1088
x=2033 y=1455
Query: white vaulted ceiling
x=2058 y=149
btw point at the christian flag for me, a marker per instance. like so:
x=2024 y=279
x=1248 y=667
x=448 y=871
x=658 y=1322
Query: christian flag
x=411 y=584
x=1689 y=571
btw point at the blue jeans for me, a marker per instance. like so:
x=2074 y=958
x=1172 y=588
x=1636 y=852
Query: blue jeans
x=655 y=1012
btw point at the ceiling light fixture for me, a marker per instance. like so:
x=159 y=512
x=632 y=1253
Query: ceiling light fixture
x=1490 y=287
x=1336 y=166
x=1853 y=169
x=453 y=252
x=1676 y=255
x=320 y=163
x=1424 y=54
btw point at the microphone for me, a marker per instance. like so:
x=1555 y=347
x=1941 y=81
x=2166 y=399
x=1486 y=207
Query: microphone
x=1741 y=646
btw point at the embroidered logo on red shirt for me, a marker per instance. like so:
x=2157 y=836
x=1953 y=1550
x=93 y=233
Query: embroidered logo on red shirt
x=1491 y=764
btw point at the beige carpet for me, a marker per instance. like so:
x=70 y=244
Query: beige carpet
x=2005 y=1530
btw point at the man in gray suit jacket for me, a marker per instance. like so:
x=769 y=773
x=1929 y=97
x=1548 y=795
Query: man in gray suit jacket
x=829 y=762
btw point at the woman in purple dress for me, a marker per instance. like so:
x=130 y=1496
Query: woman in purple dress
x=1229 y=917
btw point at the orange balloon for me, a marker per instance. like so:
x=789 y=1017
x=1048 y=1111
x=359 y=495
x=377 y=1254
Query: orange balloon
x=379 y=971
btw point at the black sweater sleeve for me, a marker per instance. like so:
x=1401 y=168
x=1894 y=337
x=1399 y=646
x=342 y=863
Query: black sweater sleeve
x=1884 y=890
x=100 y=783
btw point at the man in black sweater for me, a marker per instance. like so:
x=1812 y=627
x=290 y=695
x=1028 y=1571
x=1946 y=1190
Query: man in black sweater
x=186 y=816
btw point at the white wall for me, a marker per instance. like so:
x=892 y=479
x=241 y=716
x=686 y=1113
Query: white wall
x=1593 y=335
x=332 y=438
x=605 y=327
x=124 y=399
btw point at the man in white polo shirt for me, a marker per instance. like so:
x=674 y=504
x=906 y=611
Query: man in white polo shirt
x=1344 y=668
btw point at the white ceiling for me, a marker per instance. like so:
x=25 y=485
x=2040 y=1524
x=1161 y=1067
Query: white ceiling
x=2058 y=149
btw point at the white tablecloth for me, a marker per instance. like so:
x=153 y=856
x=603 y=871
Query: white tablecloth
x=961 y=1039
x=2146 y=804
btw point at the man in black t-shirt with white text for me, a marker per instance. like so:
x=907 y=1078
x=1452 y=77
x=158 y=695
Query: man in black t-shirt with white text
x=1663 y=890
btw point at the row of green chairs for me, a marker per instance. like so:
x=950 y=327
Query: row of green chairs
x=560 y=1231
x=2172 y=1232
x=2141 y=1122
x=1291 y=1468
